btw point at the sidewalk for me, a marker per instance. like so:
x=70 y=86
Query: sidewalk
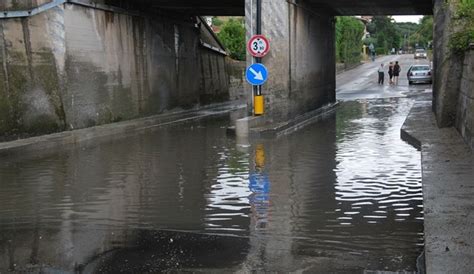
x=113 y=130
x=448 y=190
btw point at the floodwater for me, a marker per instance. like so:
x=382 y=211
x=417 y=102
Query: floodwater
x=341 y=195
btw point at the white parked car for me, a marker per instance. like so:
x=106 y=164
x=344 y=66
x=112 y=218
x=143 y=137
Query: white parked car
x=419 y=74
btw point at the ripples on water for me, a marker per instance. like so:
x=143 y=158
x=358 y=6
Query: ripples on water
x=343 y=194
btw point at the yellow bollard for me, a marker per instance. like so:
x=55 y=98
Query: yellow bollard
x=259 y=107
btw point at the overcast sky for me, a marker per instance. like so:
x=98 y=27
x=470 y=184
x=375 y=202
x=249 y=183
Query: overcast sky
x=411 y=18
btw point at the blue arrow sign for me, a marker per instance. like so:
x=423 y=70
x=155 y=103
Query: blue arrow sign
x=256 y=74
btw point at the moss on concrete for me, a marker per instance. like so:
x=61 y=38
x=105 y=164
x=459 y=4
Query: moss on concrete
x=46 y=76
x=18 y=85
x=5 y=119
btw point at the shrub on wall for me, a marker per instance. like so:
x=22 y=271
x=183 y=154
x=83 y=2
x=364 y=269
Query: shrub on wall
x=349 y=33
x=463 y=24
x=232 y=36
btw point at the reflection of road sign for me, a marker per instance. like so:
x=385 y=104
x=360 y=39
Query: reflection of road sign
x=257 y=74
x=258 y=46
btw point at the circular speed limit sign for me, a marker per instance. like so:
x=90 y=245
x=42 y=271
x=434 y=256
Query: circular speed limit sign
x=258 y=46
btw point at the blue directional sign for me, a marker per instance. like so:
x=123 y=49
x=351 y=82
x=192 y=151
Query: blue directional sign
x=257 y=74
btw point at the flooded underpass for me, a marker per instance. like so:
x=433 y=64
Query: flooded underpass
x=342 y=195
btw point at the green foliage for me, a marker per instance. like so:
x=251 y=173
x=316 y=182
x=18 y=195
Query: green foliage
x=423 y=36
x=232 y=36
x=385 y=33
x=406 y=27
x=216 y=21
x=464 y=23
x=349 y=32
x=369 y=40
x=459 y=41
x=380 y=51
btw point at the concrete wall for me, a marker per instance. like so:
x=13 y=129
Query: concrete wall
x=448 y=67
x=32 y=55
x=453 y=78
x=465 y=114
x=15 y=5
x=74 y=67
x=237 y=82
x=215 y=79
x=301 y=60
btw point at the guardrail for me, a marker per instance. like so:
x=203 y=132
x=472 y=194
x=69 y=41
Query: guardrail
x=28 y=13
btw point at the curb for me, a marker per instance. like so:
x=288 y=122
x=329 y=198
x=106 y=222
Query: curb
x=67 y=138
x=297 y=123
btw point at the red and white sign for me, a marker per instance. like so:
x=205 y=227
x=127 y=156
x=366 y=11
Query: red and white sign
x=258 y=46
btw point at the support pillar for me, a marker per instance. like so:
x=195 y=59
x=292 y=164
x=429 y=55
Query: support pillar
x=301 y=61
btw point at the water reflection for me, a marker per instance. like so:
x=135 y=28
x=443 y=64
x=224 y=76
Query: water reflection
x=259 y=185
x=343 y=194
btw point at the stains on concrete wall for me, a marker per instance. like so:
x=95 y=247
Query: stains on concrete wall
x=215 y=77
x=74 y=67
x=312 y=54
x=31 y=88
x=236 y=71
x=465 y=111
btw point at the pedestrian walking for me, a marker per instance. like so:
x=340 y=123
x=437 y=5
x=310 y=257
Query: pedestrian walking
x=381 y=74
x=372 y=52
x=390 y=72
x=396 y=72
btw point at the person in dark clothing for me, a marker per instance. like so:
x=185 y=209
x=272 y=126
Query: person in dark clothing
x=381 y=74
x=390 y=72
x=396 y=72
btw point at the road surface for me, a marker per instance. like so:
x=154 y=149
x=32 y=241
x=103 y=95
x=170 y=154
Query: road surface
x=361 y=82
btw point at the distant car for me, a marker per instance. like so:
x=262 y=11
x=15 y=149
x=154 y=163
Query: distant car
x=419 y=74
x=421 y=53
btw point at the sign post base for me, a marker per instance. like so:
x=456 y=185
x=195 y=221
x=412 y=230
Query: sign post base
x=259 y=107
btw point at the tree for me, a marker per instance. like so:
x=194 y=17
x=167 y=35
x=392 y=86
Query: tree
x=349 y=32
x=423 y=36
x=383 y=30
x=232 y=36
x=463 y=21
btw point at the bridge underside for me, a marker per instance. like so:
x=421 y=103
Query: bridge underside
x=374 y=7
x=333 y=7
x=237 y=7
x=201 y=7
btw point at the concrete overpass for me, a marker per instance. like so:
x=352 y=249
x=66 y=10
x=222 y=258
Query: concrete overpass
x=237 y=7
x=336 y=7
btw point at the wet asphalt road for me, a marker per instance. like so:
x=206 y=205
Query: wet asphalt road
x=341 y=195
x=361 y=82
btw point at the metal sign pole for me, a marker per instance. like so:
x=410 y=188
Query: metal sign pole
x=258 y=89
x=258 y=46
x=252 y=33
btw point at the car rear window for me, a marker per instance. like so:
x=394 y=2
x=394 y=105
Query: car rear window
x=419 y=68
